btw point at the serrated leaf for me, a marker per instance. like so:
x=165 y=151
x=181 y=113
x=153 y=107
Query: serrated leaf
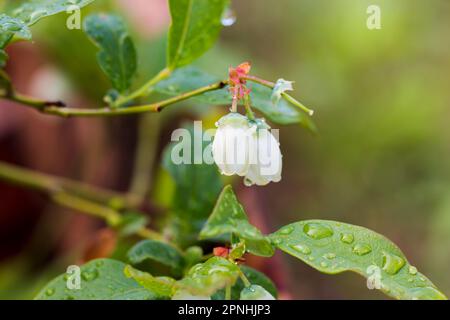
x=32 y=11
x=204 y=279
x=197 y=188
x=156 y=251
x=195 y=27
x=101 y=279
x=117 y=56
x=190 y=78
x=255 y=277
x=161 y=287
x=12 y=27
x=228 y=217
x=334 y=247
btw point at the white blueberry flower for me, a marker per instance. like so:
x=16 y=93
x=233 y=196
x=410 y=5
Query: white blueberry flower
x=255 y=292
x=247 y=148
x=233 y=143
x=269 y=161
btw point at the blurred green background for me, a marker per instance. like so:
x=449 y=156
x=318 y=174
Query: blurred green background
x=381 y=98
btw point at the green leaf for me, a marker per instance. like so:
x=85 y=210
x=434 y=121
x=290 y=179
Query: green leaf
x=11 y=27
x=131 y=223
x=101 y=279
x=190 y=78
x=334 y=247
x=195 y=27
x=32 y=11
x=3 y=58
x=197 y=188
x=255 y=292
x=228 y=217
x=255 y=277
x=204 y=279
x=161 y=287
x=117 y=56
x=157 y=251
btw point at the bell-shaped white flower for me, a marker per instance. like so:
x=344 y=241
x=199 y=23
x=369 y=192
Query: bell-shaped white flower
x=266 y=164
x=235 y=138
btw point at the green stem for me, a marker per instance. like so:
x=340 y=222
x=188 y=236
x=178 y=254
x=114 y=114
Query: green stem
x=51 y=184
x=248 y=108
x=50 y=108
x=111 y=216
x=145 y=89
x=288 y=97
x=244 y=279
x=228 y=292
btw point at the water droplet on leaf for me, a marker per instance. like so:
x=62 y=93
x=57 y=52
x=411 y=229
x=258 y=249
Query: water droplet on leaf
x=362 y=249
x=392 y=263
x=347 y=238
x=301 y=248
x=228 y=17
x=412 y=270
x=317 y=231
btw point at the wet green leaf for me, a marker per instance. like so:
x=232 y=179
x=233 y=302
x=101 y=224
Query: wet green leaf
x=156 y=251
x=195 y=27
x=190 y=78
x=32 y=11
x=228 y=217
x=334 y=247
x=204 y=279
x=161 y=287
x=101 y=279
x=117 y=56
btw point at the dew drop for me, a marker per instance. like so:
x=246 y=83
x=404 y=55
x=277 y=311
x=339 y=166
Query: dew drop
x=362 y=249
x=301 y=248
x=323 y=264
x=347 y=238
x=228 y=17
x=329 y=256
x=89 y=275
x=412 y=270
x=286 y=230
x=317 y=231
x=392 y=263
x=50 y=291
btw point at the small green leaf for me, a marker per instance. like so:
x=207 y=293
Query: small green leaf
x=334 y=247
x=117 y=56
x=32 y=11
x=101 y=279
x=195 y=27
x=228 y=217
x=161 y=287
x=281 y=86
x=204 y=279
x=197 y=188
x=255 y=277
x=190 y=78
x=131 y=222
x=156 y=251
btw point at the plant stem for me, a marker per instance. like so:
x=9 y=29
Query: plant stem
x=288 y=97
x=54 y=108
x=111 y=216
x=244 y=279
x=145 y=89
x=51 y=184
x=228 y=292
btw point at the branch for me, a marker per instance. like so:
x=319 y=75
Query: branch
x=288 y=97
x=57 y=108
